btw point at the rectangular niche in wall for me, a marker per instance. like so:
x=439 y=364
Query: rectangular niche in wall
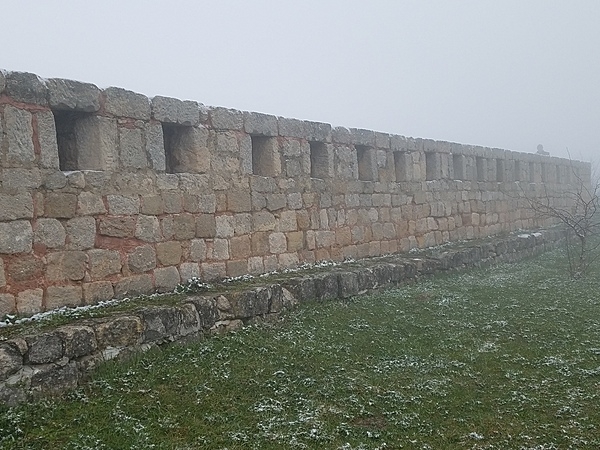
x=499 y=170
x=480 y=168
x=431 y=166
x=184 y=150
x=544 y=174
x=517 y=170
x=320 y=166
x=265 y=156
x=532 y=172
x=401 y=166
x=366 y=162
x=458 y=166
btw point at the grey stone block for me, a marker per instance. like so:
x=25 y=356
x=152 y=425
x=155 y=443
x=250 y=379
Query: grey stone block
x=19 y=132
x=208 y=312
x=326 y=286
x=348 y=284
x=124 y=103
x=58 y=296
x=260 y=124
x=16 y=237
x=341 y=135
x=163 y=322
x=26 y=87
x=47 y=137
x=119 y=332
x=172 y=110
x=132 y=154
x=318 y=131
x=54 y=378
x=366 y=279
x=73 y=95
x=78 y=340
x=363 y=137
x=11 y=359
x=155 y=146
x=292 y=128
x=134 y=286
x=81 y=233
x=50 y=233
x=18 y=206
x=166 y=278
x=142 y=259
x=250 y=303
x=44 y=348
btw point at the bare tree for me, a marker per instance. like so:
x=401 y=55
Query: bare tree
x=579 y=214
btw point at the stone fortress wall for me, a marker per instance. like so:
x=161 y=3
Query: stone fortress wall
x=107 y=193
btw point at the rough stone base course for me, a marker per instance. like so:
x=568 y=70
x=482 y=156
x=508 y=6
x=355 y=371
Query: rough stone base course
x=53 y=361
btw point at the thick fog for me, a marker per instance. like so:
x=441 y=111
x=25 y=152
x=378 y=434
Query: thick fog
x=510 y=74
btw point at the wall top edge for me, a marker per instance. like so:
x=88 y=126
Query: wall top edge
x=62 y=94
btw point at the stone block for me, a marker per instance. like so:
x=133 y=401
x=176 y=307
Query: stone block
x=81 y=233
x=55 y=180
x=277 y=243
x=89 y=204
x=119 y=332
x=25 y=268
x=206 y=226
x=121 y=227
x=11 y=359
x=214 y=271
x=224 y=226
x=152 y=205
x=226 y=119
x=155 y=146
x=187 y=271
x=169 y=253
x=242 y=224
x=103 y=263
x=219 y=249
x=241 y=247
x=18 y=206
x=26 y=87
x=147 y=229
x=19 y=134
x=166 y=279
x=288 y=260
x=276 y=202
x=97 y=291
x=73 y=95
x=172 y=110
x=341 y=135
x=122 y=103
x=29 y=301
x=133 y=286
x=2 y=275
x=260 y=124
x=60 y=205
x=57 y=296
x=44 y=348
x=326 y=286
x=184 y=226
x=292 y=127
x=16 y=237
x=21 y=179
x=132 y=153
x=303 y=289
x=239 y=200
x=69 y=265
x=78 y=340
x=142 y=259
x=198 y=250
x=250 y=303
x=123 y=205
x=318 y=131
x=263 y=221
x=46 y=131
x=348 y=284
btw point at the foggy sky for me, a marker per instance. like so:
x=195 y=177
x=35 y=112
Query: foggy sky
x=510 y=74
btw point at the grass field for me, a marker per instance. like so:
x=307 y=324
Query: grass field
x=506 y=357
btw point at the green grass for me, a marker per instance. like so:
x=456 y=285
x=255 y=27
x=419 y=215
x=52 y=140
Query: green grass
x=506 y=357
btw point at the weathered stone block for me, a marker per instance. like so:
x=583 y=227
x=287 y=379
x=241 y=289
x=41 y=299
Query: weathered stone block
x=326 y=286
x=97 y=291
x=132 y=153
x=207 y=310
x=166 y=279
x=89 y=204
x=148 y=229
x=133 y=286
x=11 y=359
x=260 y=124
x=29 y=301
x=169 y=253
x=57 y=296
x=44 y=348
x=26 y=87
x=214 y=271
x=16 y=237
x=46 y=131
x=18 y=206
x=241 y=247
x=123 y=103
x=184 y=226
x=348 y=284
x=237 y=268
x=66 y=266
x=155 y=146
x=142 y=259
x=121 y=227
x=206 y=226
x=21 y=179
x=123 y=205
x=172 y=110
x=239 y=201
x=277 y=243
x=19 y=133
x=226 y=119
x=198 y=250
x=78 y=340
x=81 y=233
x=263 y=221
x=119 y=332
x=187 y=271
x=103 y=263
x=25 y=268
x=250 y=303
x=153 y=205
x=60 y=205
x=302 y=288
x=73 y=95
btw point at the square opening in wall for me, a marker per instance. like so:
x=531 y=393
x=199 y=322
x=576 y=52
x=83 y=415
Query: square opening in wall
x=366 y=167
x=265 y=156
x=401 y=165
x=458 y=167
x=319 y=160
x=70 y=131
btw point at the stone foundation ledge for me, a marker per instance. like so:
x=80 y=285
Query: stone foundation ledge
x=54 y=361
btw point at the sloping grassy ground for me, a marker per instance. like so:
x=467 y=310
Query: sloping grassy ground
x=506 y=357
